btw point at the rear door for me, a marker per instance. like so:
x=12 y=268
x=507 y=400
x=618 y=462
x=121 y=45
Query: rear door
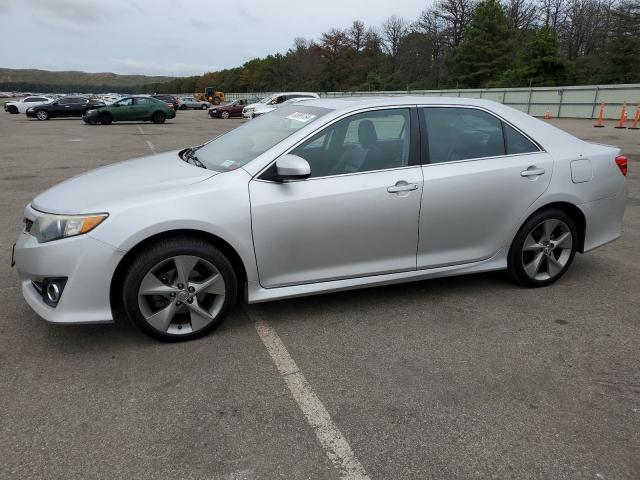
x=143 y=109
x=356 y=215
x=480 y=176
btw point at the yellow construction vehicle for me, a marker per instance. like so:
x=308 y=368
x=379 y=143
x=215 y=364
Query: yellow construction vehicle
x=210 y=95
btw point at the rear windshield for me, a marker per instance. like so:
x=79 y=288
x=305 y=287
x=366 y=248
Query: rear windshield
x=241 y=145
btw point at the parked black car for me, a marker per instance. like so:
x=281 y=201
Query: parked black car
x=64 y=107
x=169 y=100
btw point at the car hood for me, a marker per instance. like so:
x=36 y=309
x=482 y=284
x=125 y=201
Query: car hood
x=96 y=190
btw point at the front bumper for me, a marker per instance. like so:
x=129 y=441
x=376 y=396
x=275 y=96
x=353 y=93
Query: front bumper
x=90 y=117
x=87 y=263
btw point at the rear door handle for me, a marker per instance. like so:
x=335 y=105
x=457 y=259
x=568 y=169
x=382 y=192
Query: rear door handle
x=532 y=171
x=402 y=186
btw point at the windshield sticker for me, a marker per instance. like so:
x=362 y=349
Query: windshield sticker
x=227 y=163
x=301 y=117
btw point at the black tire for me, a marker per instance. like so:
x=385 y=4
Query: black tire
x=518 y=257
x=203 y=107
x=105 y=119
x=158 y=117
x=13 y=109
x=226 y=115
x=183 y=107
x=163 y=250
x=42 y=115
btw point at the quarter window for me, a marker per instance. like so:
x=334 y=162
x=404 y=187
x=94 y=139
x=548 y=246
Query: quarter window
x=363 y=142
x=143 y=101
x=516 y=142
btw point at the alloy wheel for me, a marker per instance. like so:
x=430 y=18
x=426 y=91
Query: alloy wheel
x=42 y=115
x=181 y=295
x=224 y=115
x=547 y=249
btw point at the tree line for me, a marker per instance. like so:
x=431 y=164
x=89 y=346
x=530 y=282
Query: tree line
x=452 y=44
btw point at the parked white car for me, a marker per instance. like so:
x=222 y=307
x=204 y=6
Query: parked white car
x=270 y=102
x=21 y=106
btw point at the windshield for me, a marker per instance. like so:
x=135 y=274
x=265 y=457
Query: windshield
x=241 y=145
x=267 y=99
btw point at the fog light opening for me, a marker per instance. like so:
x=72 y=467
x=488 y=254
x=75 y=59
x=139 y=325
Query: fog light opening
x=52 y=290
x=53 y=293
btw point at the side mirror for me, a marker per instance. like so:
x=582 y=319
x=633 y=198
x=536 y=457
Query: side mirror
x=292 y=167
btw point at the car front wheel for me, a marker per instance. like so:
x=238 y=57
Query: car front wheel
x=42 y=115
x=543 y=248
x=179 y=289
x=158 y=117
x=224 y=115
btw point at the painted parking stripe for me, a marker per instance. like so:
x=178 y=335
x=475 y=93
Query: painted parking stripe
x=333 y=442
x=149 y=144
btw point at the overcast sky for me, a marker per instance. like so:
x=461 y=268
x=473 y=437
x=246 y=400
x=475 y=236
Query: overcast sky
x=171 y=37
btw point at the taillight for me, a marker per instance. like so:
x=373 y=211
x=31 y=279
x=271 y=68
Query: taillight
x=622 y=163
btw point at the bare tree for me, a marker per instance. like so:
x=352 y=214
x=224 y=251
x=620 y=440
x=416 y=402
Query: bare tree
x=393 y=29
x=552 y=12
x=455 y=15
x=522 y=14
x=357 y=34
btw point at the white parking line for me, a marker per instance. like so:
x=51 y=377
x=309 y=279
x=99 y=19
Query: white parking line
x=333 y=442
x=149 y=144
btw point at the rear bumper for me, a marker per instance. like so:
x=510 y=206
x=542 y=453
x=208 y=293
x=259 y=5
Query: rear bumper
x=604 y=219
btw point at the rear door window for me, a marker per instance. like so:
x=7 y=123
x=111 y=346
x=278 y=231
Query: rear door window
x=462 y=134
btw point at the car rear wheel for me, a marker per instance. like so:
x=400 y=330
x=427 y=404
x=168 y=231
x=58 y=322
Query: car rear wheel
x=179 y=289
x=543 y=249
x=224 y=115
x=13 y=109
x=158 y=117
x=105 y=119
x=183 y=107
x=42 y=115
x=203 y=107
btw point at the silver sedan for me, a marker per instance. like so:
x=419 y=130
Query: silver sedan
x=321 y=196
x=191 y=102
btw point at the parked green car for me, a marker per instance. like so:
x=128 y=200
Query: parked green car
x=130 y=109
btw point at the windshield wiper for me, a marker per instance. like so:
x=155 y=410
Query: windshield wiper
x=192 y=158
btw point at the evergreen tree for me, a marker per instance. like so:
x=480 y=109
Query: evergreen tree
x=486 y=48
x=539 y=64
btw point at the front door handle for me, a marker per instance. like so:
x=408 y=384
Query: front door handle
x=532 y=171
x=402 y=186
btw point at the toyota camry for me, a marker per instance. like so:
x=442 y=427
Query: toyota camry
x=321 y=196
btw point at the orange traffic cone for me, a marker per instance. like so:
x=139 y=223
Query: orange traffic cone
x=636 y=117
x=547 y=115
x=600 y=116
x=623 y=117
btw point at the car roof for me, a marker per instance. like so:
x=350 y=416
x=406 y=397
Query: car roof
x=549 y=136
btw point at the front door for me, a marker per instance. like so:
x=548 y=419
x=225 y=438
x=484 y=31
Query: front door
x=481 y=178
x=356 y=215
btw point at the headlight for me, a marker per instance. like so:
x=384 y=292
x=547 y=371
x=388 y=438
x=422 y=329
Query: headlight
x=48 y=227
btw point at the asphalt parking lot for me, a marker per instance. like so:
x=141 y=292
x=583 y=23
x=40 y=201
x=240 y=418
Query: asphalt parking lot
x=468 y=377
